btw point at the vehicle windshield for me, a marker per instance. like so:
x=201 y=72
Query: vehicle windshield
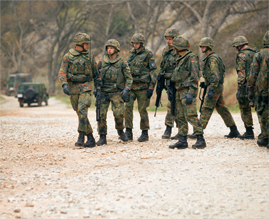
x=11 y=80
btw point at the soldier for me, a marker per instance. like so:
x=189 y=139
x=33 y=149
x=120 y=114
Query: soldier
x=166 y=68
x=213 y=73
x=243 y=61
x=77 y=70
x=143 y=70
x=186 y=77
x=116 y=84
x=258 y=81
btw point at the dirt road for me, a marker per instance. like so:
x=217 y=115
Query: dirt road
x=42 y=175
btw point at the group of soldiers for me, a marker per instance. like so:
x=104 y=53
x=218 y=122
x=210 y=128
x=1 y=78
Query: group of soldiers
x=121 y=82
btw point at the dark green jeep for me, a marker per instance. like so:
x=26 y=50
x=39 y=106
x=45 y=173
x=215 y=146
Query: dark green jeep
x=32 y=92
x=21 y=78
x=9 y=83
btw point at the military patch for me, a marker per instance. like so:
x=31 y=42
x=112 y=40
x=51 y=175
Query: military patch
x=152 y=63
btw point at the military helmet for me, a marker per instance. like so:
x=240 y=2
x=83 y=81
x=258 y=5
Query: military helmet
x=138 y=38
x=81 y=38
x=207 y=41
x=181 y=43
x=239 y=41
x=265 y=39
x=114 y=43
x=171 y=33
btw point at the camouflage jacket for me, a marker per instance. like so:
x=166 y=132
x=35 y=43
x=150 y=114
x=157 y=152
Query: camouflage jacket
x=243 y=61
x=77 y=70
x=259 y=71
x=115 y=74
x=143 y=69
x=169 y=58
x=213 y=70
x=186 y=74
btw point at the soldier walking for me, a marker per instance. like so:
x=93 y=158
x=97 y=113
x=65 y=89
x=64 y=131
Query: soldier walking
x=116 y=84
x=243 y=61
x=143 y=70
x=77 y=70
x=186 y=77
x=213 y=73
x=258 y=81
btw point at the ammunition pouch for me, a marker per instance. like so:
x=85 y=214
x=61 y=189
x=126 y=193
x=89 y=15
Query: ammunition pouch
x=78 y=78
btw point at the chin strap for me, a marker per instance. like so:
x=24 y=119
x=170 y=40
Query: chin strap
x=207 y=48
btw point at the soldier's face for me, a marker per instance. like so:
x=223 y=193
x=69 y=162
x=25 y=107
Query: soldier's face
x=203 y=48
x=86 y=46
x=136 y=45
x=110 y=50
x=169 y=40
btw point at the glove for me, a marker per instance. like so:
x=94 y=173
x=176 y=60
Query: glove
x=251 y=96
x=189 y=98
x=66 y=89
x=265 y=100
x=98 y=94
x=170 y=94
x=210 y=93
x=125 y=94
x=149 y=93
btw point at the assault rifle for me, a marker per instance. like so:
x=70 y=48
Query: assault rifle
x=202 y=86
x=172 y=90
x=159 y=89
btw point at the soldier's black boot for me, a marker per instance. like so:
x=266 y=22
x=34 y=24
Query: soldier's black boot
x=176 y=137
x=181 y=144
x=233 y=133
x=200 y=143
x=263 y=142
x=102 y=140
x=122 y=135
x=129 y=134
x=144 y=136
x=248 y=134
x=91 y=141
x=80 y=141
x=192 y=136
x=167 y=132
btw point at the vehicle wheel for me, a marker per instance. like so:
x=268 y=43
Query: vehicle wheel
x=29 y=104
x=39 y=101
x=21 y=104
x=30 y=93
x=46 y=101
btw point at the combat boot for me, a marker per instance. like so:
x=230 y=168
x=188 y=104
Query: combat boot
x=167 y=132
x=91 y=141
x=144 y=136
x=200 y=143
x=80 y=141
x=181 y=144
x=263 y=142
x=233 y=133
x=129 y=134
x=122 y=136
x=248 y=134
x=102 y=140
x=192 y=136
x=176 y=137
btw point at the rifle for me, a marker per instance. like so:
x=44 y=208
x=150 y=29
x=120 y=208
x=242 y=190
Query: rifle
x=159 y=89
x=202 y=86
x=172 y=89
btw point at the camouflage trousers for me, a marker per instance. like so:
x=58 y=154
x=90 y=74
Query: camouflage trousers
x=245 y=109
x=143 y=103
x=216 y=102
x=263 y=115
x=187 y=113
x=117 y=108
x=80 y=103
x=169 y=117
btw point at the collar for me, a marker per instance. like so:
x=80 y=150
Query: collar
x=207 y=57
x=108 y=60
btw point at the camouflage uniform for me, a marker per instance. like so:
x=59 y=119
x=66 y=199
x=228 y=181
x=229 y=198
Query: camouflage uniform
x=143 y=70
x=116 y=76
x=78 y=69
x=258 y=80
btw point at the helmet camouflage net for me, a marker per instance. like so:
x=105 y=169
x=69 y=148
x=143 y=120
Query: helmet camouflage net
x=171 y=33
x=265 y=39
x=181 y=43
x=207 y=41
x=138 y=38
x=239 y=41
x=81 y=38
x=114 y=43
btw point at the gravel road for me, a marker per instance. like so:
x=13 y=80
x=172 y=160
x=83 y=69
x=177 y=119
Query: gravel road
x=42 y=175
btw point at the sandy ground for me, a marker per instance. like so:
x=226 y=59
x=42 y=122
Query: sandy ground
x=42 y=174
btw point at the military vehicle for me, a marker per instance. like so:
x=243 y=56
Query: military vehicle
x=32 y=92
x=9 y=84
x=20 y=78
